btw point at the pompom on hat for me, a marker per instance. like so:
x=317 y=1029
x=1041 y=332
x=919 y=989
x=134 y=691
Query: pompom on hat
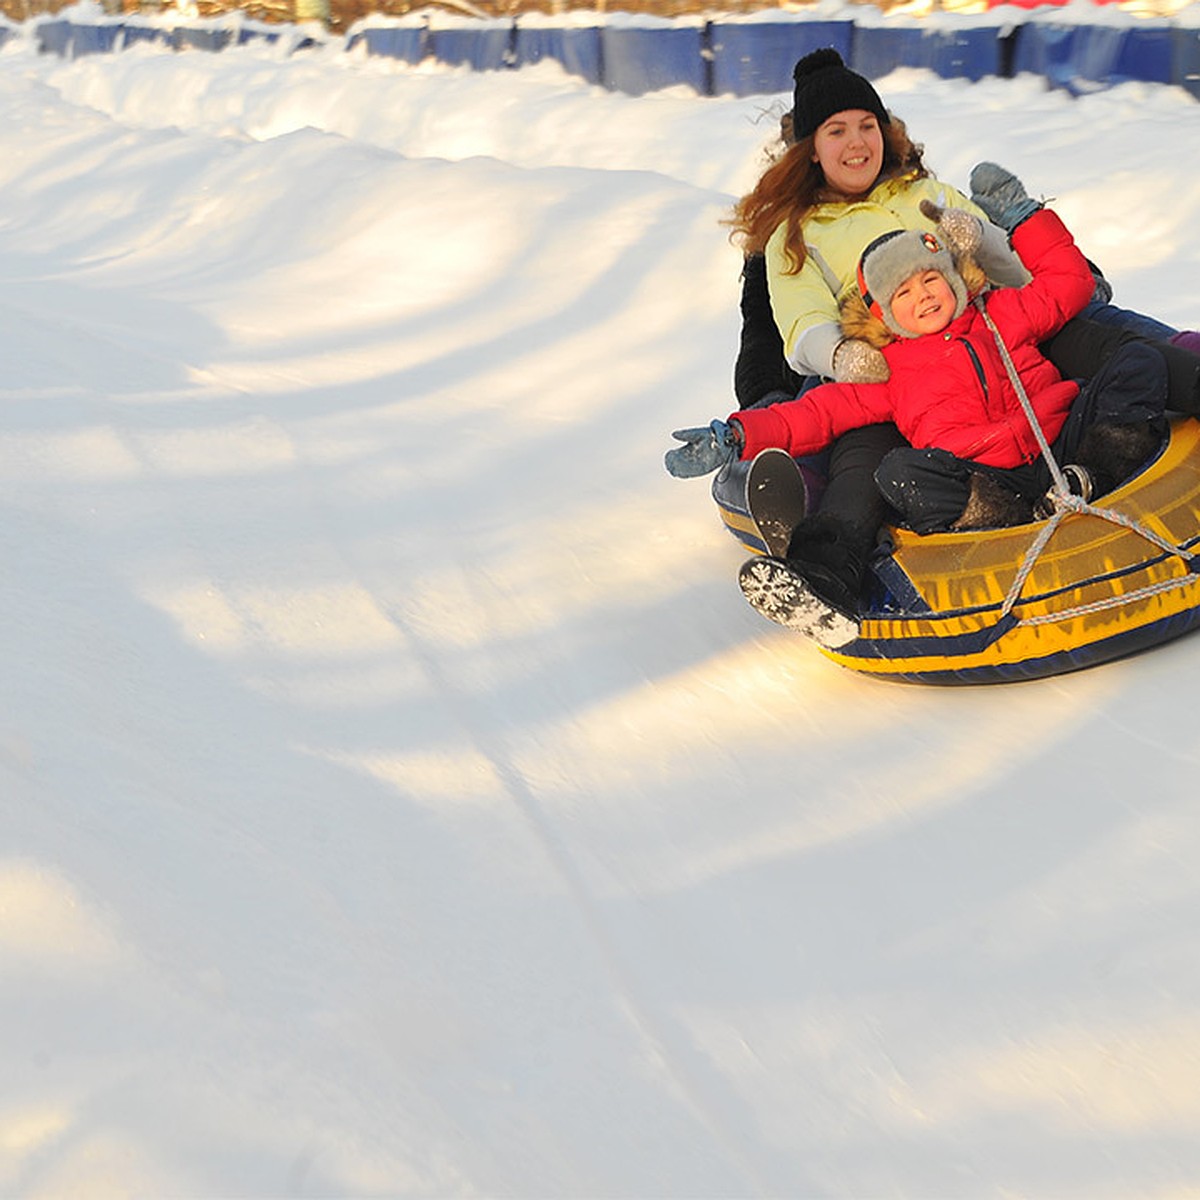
x=824 y=86
x=896 y=256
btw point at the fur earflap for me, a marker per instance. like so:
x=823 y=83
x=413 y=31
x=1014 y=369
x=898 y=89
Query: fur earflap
x=858 y=321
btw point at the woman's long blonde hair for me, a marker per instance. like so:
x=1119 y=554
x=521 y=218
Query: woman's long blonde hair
x=794 y=184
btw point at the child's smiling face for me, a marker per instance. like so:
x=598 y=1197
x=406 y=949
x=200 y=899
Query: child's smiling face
x=923 y=303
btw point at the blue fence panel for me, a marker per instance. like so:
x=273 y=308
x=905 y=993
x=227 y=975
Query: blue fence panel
x=406 y=42
x=1185 y=59
x=578 y=50
x=756 y=59
x=482 y=49
x=1143 y=53
x=952 y=53
x=54 y=37
x=144 y=33
x=1083 y=58
x=255 y=35
x=184 y=38
x=637 y=61
x=94 y=39
x=1045 y=50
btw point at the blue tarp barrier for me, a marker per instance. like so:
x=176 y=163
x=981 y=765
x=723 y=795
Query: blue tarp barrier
x=755 y=59
x=578 y=50
x=407 y=42
x=95 y=39
x=1083 y=58
x=184 y=38
x=1185 y=59
x=254 y=35
x=484 y=49
x=637 y=61
x=144 y=33
x=54 y=37
x=951 y=53
x=734 y=58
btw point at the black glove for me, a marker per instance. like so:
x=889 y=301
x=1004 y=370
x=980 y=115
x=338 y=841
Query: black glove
x=703 y=450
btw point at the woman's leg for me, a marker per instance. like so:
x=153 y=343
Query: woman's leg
x=851 y=504
x=1116 y=422
x=1124 y=318
x=1081 y=348
x=831 y=547
x=816 y=589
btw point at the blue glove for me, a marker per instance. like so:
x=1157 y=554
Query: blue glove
x=703 y=450
x=1001 y=195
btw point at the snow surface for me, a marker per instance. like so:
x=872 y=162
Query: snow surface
x=398 y=796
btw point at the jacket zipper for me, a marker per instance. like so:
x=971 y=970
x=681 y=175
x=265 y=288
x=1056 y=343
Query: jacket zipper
x=978 y=367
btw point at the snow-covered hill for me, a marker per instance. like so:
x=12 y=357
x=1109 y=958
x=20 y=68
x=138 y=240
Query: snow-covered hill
x=399 y=798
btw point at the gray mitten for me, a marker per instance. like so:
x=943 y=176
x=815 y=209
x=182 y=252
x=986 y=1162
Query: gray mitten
x=963 y=231
x=704 y=449
x=986 y=243
x=1001 y=195
x=1103 y=293
x=856 y=361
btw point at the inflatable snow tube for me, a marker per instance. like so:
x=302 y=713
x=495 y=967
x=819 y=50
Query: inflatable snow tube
x=937 y=609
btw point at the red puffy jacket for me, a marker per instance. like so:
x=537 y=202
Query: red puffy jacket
x=950 y=389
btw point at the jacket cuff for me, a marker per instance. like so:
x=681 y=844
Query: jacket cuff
x=761 y=428
x=813 y=352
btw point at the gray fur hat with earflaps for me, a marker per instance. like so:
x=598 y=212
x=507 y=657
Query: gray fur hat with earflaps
x=896 y=256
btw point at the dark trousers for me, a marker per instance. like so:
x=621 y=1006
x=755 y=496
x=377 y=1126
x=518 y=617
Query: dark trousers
x=842 y=532
x=930 y=488
x=1083 y=347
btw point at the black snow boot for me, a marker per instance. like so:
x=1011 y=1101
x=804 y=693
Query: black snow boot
x=789 y=593
x=816 y=588
x=991 y=505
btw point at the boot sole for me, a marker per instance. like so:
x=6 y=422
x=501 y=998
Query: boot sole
x=776 y=497
x=786 y=598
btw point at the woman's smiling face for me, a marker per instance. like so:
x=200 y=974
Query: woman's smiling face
x=849 y=148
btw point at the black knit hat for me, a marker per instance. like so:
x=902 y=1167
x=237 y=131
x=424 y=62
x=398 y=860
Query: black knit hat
x=824 y=86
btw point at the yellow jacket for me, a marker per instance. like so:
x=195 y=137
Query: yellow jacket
x=806 y=304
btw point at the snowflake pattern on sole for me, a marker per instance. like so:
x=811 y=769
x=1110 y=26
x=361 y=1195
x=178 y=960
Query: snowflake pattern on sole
x=785 y=597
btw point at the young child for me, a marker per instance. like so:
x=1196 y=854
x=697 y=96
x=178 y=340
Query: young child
x=974 y=460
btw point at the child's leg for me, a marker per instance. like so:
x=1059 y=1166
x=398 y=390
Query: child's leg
x=933 y=491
